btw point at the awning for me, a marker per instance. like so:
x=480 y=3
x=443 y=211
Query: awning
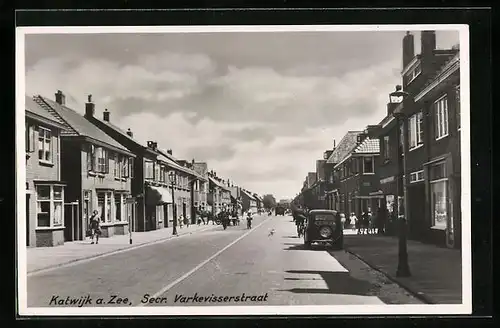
x=158 y=196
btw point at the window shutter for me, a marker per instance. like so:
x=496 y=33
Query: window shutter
x=106 y=160
x=131 y=167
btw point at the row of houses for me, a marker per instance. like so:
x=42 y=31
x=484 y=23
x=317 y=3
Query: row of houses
x=420 y=135
x=77 y=164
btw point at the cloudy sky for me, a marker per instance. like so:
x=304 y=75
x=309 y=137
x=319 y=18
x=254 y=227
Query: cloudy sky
x=260 y=108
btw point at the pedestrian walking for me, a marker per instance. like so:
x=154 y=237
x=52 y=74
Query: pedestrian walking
x=180 y=221
x=381 y=219
x=354 y=221
x=342 y=219
x=95 y=227
x=365 y=222
x=187 y=221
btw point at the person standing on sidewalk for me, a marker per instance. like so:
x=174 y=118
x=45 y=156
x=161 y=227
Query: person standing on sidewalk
x=95 y=227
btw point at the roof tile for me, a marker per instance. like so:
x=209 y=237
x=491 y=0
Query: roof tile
x=345 y=147
x=368 y=146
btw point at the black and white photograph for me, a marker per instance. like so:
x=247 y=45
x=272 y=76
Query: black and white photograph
x=243 y=170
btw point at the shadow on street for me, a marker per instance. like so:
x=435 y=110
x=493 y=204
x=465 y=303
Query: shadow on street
x=337 y=283
x=302 y=247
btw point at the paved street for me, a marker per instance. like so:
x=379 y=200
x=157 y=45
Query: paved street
x=232 y=267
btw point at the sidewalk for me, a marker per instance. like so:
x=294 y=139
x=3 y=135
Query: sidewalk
x=436 y=272
x=40 y=258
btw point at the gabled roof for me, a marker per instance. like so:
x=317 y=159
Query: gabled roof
x=218 y=184
x=120 y=131
x=249 y=195
x=35 y=111
x=345 y=147
x=76 y=124
x=167 y=158
x=368 y=146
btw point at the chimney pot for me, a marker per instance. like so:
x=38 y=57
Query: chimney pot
x=169 y=151
x=129 y=133
x=60 y=98
x=105 y=115
x=89 y=107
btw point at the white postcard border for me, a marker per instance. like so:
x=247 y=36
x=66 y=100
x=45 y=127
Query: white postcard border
x=464 y=308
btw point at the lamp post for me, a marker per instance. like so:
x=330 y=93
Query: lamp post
x=172 y=176
x=395 y=97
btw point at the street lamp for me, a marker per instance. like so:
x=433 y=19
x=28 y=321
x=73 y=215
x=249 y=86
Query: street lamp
x=172 y=176
x=396 y=97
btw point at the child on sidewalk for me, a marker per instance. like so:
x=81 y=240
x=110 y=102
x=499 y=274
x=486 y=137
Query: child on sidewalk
x=95 y=228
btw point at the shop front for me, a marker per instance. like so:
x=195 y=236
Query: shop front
x=391 y=201
x=440 y=189
x=157 y=200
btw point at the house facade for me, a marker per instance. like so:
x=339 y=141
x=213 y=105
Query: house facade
x=220 y=194
x=97 y=171
x=44 y=188
x=248 y=201
x=201 y=189
x=429 y=124
x=355 y=173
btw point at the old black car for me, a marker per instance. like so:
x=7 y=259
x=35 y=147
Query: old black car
x=323 y=227
x=280 y=210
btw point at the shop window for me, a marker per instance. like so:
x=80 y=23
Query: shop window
x=441 y=117
x=50 y=205
x=368 y=165
x=439 y=201
x=44 y=145
x=104 y=203
x=119 y=207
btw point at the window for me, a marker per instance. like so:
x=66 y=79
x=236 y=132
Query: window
x=157 y=172
x=50 y=205
x=30 y=138
x=91 y=158
x=104 y=203
x=439 y=201
x=125 y=166
x=149 y=170
x=119 y=207
x=87 y=206
x=44 y=145
x=415 y=130
x=108 y=207
x=368 y=165
x=417 y=176
x=131 y=167
x=117 y=162
x=441 y=117
x=102 y=160
x=386 y=149
x=412 y=75
x=457 y=95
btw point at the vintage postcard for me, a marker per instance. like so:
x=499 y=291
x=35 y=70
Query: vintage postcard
x=243 y=170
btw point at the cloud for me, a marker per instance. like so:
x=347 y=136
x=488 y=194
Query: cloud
x=260 y=108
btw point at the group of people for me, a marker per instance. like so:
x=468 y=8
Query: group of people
x=368 y=222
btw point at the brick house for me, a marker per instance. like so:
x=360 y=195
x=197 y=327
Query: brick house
x=44 y=188
x=219 y=194
x=355 y=172
x=186 y=178
x=248 y=201
x=148 y=175
x=201 y=187
x=431 y=124
x=97 y=170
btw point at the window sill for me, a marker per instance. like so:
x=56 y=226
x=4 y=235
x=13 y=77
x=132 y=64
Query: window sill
x=441 y=137
x=45 y=163
x=438 y=228
x=416 y=147
x=372 y=173
x=119 y=223
x=49 y=228
x=107 y=224
x=118 y=179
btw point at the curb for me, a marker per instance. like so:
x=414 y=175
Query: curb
x=114 y=251
x=420 y=296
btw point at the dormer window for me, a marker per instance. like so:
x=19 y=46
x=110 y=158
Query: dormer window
x=414 y=72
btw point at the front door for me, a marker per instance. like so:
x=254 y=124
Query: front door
x=27 y=220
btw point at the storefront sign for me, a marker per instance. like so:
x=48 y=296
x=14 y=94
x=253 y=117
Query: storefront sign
x=387 y=180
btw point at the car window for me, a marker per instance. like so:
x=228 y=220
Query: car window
x=324 y=217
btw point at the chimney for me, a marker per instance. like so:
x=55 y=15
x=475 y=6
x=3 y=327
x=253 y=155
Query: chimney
x=334 y=145
x=169 y=151
x=105 y=115
x=428 y=43
x=129 y=133
x=192 y=161
x=60 y=98
x=371 y=131
x=89 y=107
x=408 y=49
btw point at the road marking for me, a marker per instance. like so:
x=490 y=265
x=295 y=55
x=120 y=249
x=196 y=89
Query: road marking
x=114 y=252
x=178 y=280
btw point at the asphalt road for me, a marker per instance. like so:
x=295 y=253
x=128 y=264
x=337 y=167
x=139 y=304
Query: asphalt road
x=209 y=268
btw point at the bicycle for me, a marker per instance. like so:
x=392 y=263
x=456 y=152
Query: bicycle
x=300 y=229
